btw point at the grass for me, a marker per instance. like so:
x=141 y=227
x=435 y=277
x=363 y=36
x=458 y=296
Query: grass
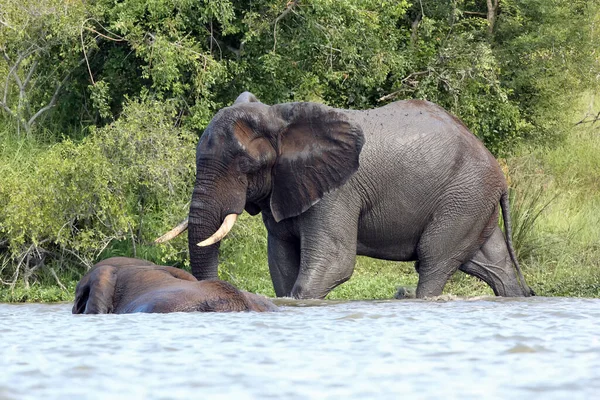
x=38 y=293
x=556 y=223
x=565 y=256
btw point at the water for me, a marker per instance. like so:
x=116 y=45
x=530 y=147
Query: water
x=488 y=348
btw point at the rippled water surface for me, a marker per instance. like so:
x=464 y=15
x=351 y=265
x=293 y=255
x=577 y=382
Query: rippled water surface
x=489 y=348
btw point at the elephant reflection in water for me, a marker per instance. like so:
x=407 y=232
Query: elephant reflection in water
x=121 y=285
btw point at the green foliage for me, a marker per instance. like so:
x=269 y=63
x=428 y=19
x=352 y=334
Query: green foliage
x=39 y=52
x=38 y=293
x=508 y=84
x=123 y=181
x=108 y=93
x=175 y=52
x=562 y=252
x=548 y=53
x=337 y=52
x=528 y=200
x=100 y=97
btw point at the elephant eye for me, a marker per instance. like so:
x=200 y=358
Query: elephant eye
x=245 y=164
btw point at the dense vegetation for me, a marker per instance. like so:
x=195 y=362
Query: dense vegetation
x=102 y=102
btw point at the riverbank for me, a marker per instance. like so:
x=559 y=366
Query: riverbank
x=556 y=229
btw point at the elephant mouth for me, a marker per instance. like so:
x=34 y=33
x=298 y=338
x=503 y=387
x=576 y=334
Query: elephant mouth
x=223 y=230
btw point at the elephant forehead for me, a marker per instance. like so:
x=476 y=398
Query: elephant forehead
x=222 y=134
x=212 y=139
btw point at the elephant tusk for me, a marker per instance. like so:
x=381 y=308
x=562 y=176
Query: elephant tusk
x=173 y=232
x=221 y=232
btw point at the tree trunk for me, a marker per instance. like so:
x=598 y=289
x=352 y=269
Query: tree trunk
x=492 y=13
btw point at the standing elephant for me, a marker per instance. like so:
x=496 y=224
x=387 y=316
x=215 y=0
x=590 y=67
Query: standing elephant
x=403 y=182
x=122 y=285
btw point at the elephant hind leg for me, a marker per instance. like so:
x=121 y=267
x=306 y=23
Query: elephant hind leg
x=447 y=243
x=492 y=264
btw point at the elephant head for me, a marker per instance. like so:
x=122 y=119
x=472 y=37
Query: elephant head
x=95 y=292
x=100 y=290
x=278 y=159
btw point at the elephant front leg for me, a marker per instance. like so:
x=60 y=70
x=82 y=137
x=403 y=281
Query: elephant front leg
x=284 y=263
x=327 y=260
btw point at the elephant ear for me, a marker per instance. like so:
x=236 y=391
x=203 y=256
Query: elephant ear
x=318 y=151
x=95 y=292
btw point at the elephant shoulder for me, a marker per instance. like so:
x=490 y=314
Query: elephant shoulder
x=219 y=296
x=179 y=273
x=123 y=261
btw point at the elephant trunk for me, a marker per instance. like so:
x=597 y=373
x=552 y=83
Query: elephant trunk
x=204 y=260
x=217 y=199
x=204 y=255
x=204 y=220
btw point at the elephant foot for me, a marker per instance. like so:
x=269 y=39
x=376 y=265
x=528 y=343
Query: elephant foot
x=408 y=292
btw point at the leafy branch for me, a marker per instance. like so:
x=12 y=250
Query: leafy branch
x=289 y=8
x=23 y=112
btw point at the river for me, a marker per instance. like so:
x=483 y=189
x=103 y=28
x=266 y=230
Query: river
x=492 y=348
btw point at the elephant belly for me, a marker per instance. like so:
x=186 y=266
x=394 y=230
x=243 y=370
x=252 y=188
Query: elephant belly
x=389 y=252
x=387 y=241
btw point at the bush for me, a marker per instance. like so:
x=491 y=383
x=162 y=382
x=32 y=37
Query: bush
x=116 y=172
x=124 y=181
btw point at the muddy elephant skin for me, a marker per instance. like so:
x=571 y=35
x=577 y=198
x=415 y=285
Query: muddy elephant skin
x=121 y=285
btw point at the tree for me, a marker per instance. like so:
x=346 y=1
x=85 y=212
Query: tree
x=549 y=55
x=36 y=42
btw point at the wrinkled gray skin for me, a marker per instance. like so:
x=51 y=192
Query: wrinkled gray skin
x=122 y=285
x=404 y=182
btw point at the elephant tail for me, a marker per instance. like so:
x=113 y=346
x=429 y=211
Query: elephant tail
x=504 y=204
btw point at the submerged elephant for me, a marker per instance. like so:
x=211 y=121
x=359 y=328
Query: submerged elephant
x=404 y=182
x=121 y=285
